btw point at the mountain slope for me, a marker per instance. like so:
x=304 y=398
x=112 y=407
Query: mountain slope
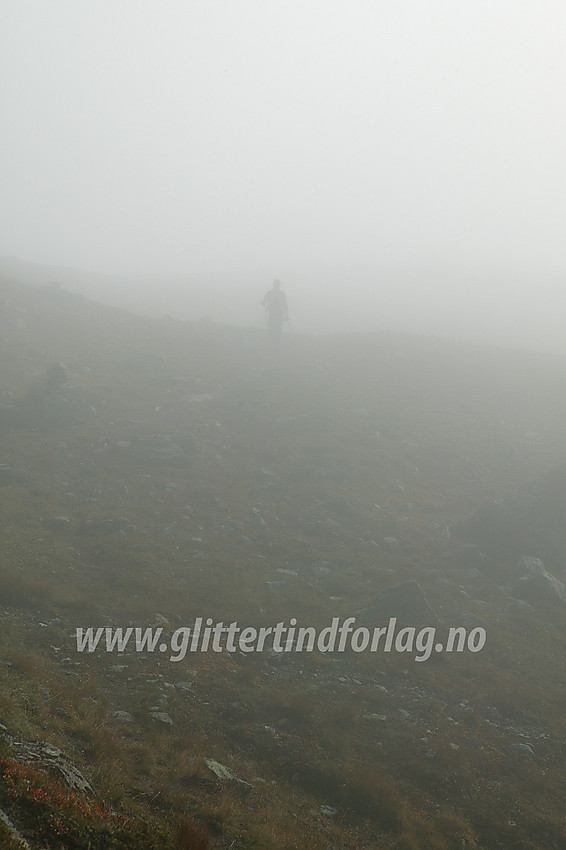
x=171 y=471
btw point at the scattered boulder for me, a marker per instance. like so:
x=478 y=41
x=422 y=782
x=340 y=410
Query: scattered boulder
x=527 y=565
x=406 y=601
x=162 y=450
x=52 y=758
x=533 y=520
x=524 y=750
x=122 y=716
x=56 y=523
x=517 y=606
x=224 y=773
x=108 y=526
x=328 y=811
x=14 y=834
x=162 y=717
x=537 y=584
x=231 y=527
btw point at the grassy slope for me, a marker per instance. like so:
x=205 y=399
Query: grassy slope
x=335 y=442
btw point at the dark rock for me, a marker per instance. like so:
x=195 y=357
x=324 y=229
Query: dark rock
x=407 y=602
x=533 y=520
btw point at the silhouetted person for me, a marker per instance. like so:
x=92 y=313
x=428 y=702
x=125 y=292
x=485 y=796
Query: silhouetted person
x=275 y=303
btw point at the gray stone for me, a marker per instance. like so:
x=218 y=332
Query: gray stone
x=406 y=601
x=275 y=586
x=162 y=717
x=517 y=606
x=523 y=750
x=541 y=587
x=56 y=523
x=224 y=773
x=160 y=620
x=122 y=716
x=52 y=757
x=110 y=526
x=45 y=695
x=231 y=527
x=369 y=545
x=328 y=811
x=163 y=450
x=527 y=565
x=14 y=834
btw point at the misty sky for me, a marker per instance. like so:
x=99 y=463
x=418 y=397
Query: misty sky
x=418 y=145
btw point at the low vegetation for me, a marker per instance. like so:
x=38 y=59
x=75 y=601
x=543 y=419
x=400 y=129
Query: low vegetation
x=181 y=470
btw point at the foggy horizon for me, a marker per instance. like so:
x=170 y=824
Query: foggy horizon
x=325 y=305
x=395 y=166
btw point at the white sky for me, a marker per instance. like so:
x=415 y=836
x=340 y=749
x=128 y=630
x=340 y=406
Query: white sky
x=312 y=140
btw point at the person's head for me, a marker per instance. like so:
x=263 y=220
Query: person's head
x=276 y=284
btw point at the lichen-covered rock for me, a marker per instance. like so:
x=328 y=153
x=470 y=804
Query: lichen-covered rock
x=49 y=757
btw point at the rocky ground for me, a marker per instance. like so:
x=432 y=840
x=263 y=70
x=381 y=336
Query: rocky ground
x=154 y=472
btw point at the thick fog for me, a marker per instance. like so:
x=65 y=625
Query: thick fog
x=396 y=165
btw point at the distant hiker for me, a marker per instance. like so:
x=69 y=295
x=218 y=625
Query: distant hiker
x=275 y=303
